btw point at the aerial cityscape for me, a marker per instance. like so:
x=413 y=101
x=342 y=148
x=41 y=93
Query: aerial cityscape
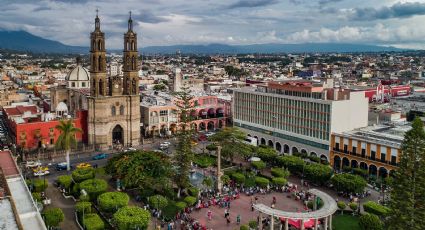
x=212 y=115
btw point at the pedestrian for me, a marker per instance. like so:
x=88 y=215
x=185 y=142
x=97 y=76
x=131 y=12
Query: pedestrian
x=209 y=214
x=225 y=212
x=252 y=207
x=274 y=200
x=228 y=220
x=238 y=219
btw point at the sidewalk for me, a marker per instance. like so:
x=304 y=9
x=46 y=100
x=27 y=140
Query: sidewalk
x=67 y=206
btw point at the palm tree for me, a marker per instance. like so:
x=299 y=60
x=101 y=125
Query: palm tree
x=67 y=138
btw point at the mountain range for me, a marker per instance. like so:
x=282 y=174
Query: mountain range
x=24 y=41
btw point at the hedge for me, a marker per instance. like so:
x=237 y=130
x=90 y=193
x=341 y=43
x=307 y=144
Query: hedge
x=83 y=174
x=112 y=201
x=292 y=163
x=190 y=200
x=92 y=221
x=239 y=178
x=280 y=181
x=94 y=187
x=258 y=165
x=158 y=201
x=133 y=217
x=83 y=205
x=279 y=172
x=244 y=227
x=370 y=222
x=349 y=183
x=53 y=216
x=375 y=208
x=318 y=173
x=65 y=181
x=261 y=181
x=40 y=185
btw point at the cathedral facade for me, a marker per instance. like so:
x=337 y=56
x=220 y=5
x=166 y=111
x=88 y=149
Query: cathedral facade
x=114 y=103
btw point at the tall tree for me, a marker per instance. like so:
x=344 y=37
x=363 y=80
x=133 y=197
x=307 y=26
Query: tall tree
x=231 y=139
x=184 y=155
x=408 y=192
x=67 y=138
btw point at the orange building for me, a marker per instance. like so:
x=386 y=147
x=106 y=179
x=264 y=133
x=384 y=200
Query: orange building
x=374 y=148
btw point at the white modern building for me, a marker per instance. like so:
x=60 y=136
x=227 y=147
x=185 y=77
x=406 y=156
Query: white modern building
x=298 y=115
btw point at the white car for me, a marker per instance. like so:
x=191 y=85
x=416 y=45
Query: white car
x=166 y=143
x=41 y=173
x=130 y=150
x=209 y=134
x=32 y=164
x=162 y=147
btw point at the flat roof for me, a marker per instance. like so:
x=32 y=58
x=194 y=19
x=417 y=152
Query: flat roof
x=7 y=218
x=7 y=164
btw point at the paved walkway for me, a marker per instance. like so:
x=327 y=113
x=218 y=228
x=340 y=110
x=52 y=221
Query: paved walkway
x=67 y=206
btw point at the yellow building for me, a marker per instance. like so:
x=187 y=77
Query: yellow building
x=374 y=148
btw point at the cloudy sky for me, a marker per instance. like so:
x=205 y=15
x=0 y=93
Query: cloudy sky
x=399 y=23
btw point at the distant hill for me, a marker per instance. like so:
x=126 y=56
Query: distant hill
x=24 y=41
x=269 y=48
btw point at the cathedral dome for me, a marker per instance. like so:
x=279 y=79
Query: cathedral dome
x=79 y=73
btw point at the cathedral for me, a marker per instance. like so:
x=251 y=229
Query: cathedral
x=112 y=102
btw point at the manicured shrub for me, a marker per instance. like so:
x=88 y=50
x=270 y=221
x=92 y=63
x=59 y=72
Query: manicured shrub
x=353 y=206
x=375 y=208
x=92 y=221
x=83 y=206
x=341 y=205
x=194 y=191
x=65 y=181
x=279 y=181
x=112 y=201
x=239 y=178
x=204 y=161
x=83 y=197
x=36 y=196
x=190 y=200
x=280 y=172
x=258 y=165
x=53 y=216
x=319 y=203
x=349 y=183
x=82 y=174
x=360 y=172
x=266 y=154
x=261 y=181
x=314 y=159
x=180 y=205
x=158 y=201
x=318 y=173
x=244 y=227
x=225 y=179
x=127 y=218
x=94 y=187
x=370 y=222
x=75 y=190
x=40 y=185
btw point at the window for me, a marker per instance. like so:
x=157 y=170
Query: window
x=372 y=155
x=52 y=141
x=51 y=130
x=345 y=148
x=83 y=84
x=363 y=152
x=337 y=146
x=355 y=150
x=163 y=112
x=383 y=156
x=393 y=160
x=113 y=111
x=73 y=84
x=121 y=110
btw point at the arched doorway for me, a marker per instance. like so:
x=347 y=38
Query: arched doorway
x=220 y=124
x=285 y=148
x=220 y=112
x=363 y=165
x=373 y=170
x=202 y=126
x=383 y=172
x=337 y=163
x=194 y=127
x=354 y=164
x=203 y=114
x=278 y=147
x=294 y=150
x=324 y=159
x=211 y=125
x=313 y=154
x=345 y=162
x=270 y=143
x=211 y=113
x=263 y=141
x=118 y=135
x=304 y=152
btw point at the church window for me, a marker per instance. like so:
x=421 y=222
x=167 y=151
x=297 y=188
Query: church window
x=99 y=45
x=113 y=112
x=100 y=63
x=132 y=45
x=100 y=87
x=133 y=63
x=121 y=110
x=134 y=86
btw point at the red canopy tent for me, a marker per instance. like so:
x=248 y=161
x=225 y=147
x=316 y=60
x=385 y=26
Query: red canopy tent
x=297 y=223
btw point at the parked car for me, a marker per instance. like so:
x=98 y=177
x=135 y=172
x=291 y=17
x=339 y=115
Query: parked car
x=41 y=171
x=100 y=156
x=61 y=166
x=163 y=147
x=32 y=164
x=83 y=165
x=130 y=150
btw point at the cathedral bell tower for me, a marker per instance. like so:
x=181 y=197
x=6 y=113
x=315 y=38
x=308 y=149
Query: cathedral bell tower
x=97 y=61
x=130 y=68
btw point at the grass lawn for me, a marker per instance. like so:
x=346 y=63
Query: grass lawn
x=345 y=222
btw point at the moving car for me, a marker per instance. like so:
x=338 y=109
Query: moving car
x=61 y=166
x=32 y=164
x=130 y=150
x=100 y=156
x=83 y=165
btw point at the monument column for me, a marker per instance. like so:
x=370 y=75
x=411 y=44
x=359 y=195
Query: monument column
x=330 y=222
x=219 y=184
x=326 y=223
x=272 y=222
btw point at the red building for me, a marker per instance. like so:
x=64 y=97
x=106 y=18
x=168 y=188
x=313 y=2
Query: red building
x=31 y=128
x=384 y=93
